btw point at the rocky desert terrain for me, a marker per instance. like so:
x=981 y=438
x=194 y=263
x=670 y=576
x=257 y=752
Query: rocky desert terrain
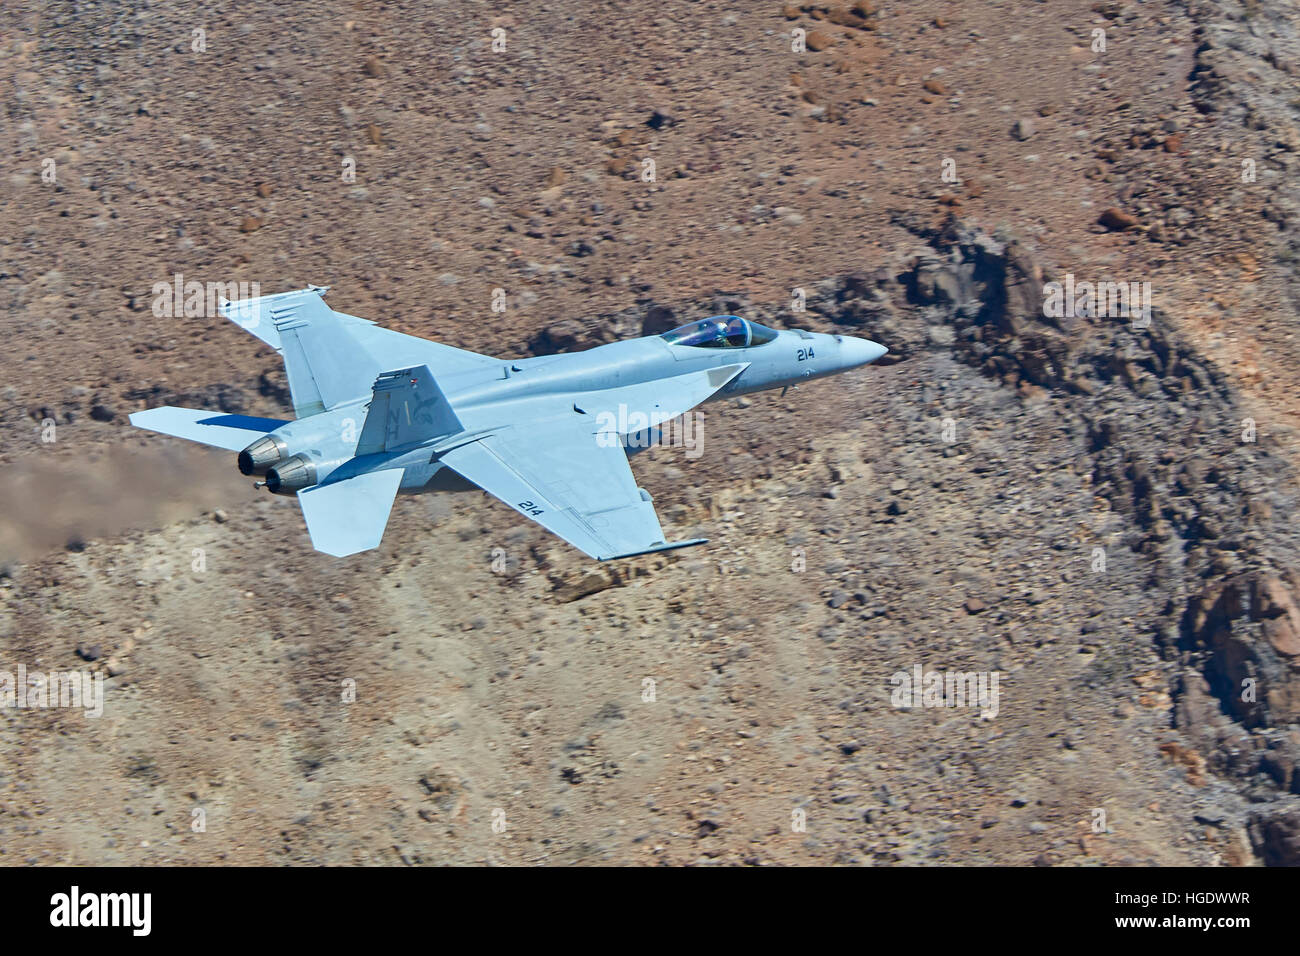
x=1099 y=509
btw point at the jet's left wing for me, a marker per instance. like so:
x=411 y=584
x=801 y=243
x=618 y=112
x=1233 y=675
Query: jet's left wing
x=570 y=480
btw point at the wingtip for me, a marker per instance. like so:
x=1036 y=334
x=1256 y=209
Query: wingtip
x=671 y=546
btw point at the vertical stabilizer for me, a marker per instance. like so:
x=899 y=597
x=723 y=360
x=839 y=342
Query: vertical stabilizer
x=408 y=407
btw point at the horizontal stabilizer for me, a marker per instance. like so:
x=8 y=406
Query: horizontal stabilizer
x=206 y=427
x=408 y=407
x=345 y=517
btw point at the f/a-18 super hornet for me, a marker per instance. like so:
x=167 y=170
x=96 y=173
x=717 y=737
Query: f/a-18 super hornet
x=379 y=412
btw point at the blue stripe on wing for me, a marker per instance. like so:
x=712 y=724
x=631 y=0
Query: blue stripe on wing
x=245 y=422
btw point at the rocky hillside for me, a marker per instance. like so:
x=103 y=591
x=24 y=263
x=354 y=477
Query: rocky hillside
x=1099 y=509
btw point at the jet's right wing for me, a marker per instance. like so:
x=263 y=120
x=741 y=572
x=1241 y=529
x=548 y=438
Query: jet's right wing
x=571 y=475
x=571 y=481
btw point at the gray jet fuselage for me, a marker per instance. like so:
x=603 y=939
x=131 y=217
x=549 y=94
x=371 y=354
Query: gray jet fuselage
x=549 y=386
x=380 y=412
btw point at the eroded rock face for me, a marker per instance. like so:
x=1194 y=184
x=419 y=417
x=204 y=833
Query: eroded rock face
x=1159 y=429
x=1277 y=837
x=1158 y=432
x=1276 y=607
x=1197 y=495
x=1246 y=626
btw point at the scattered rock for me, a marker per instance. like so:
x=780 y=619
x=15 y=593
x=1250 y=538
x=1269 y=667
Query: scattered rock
x=1279 y=614
x=620 y=165
x=582 y=584
x=659 y=119
x=1116 y=220
x=1276 y=837
x=567 y=335
x=817 y=41
x=659 y=319
x=1186 y=757
x=1023 y=129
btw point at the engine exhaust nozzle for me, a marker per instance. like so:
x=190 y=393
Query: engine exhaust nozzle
x=261 y=455
x=290 y=476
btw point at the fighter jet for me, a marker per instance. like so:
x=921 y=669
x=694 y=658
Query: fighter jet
x=380 y=413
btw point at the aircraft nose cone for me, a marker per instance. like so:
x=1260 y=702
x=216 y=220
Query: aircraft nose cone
x=855 y=352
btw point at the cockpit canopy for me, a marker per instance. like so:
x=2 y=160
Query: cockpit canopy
x=721 y=332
